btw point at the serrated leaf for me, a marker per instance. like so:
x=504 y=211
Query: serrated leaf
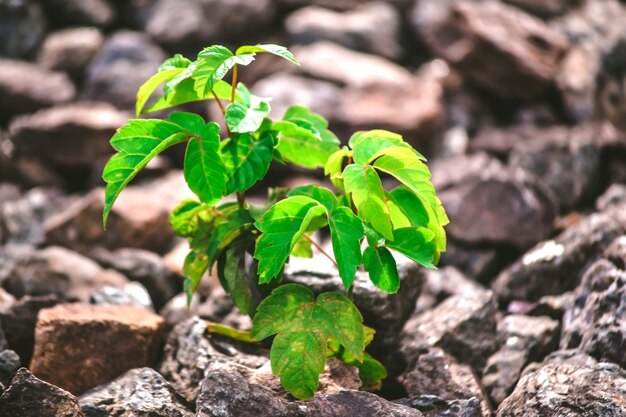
x=416 y=243
x=300 y=143
x=213 y=64
x=183 y=217
x=247 y=160
x=137 y=142
x=281 y=226
x=344 y=321
x=323 y=195
x=176 y=62
x=203 y=169
x=228 y=228
x=346 y=232
x=382 y=269
x=303 y=248
x=276 y=313
x=231 y=269
x=363 y=183
x=278 y=50
x=147 y=88
x=196 y=264
x=367 y=145
x=244 y=118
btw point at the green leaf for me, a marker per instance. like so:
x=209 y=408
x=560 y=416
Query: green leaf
x=204 y=170
x=183 y=92
x=303 y=248
x=371 y=372
x=333 y=166
x=301 y=144
x=234 y=225
x=281 y=226
x=346 y=232
x=147 y=88
x=363 y=183
x=247 y=160
x=367 y=145
x=184 y=219
x=137 y=142
x=278 y=50
x=342 y=320
x=416 y=243
x=193 y=269
x=213 y=64
x=398 y=218
x=381 y=266
x=277 y=312
x=176 y=62
x=231 y=269
x=320 y=194
x=244 y=118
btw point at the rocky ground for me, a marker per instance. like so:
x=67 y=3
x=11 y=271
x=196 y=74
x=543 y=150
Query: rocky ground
x=525 y=317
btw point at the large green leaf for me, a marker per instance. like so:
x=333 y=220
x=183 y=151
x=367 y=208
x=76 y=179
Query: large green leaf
x=137 y=142
x=302 y=145
x=304 y=326
x=368 y=144
x=244 y=118
x=147 y=88
x=183 y=92
x=416 y=243
x=233 y=225
x=277 y=50
x=186 y=216
x=346 y=232
x=381 y=266
x=213 y=64
x=323 y=195
x=247 y=159
x=363 y=183
x=231 y=269
x=281 y=226
x=204 y=170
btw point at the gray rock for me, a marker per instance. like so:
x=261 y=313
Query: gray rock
x=568 y=387
x=140 y=392
x=372 y=27
x=506 y=51
x=9 y=364
x=22 y=27
x=132 y=293
x=543 y=8
x=25 y=87
x=479 y=262
x=433 y=406
x=556 y=266
x=435 y=373
x=70 y=50
x=124 y=63
x=462 y=325
x=616 y=252
x=443 y=283
x=451 y=171
x=28 y=396
x=356 y=403
x=100 y=13
x=615 y=195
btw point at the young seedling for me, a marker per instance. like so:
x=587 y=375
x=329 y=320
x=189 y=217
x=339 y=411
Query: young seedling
x=359 y=213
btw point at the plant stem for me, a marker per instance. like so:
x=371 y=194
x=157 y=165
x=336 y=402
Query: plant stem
x=234 y=83
x=231 y=332
x=219 y=102
x=241 y=199
x=319 y=248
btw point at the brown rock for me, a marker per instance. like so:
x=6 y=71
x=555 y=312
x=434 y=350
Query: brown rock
x=79 y=346
x=448 y=172
x=443 y=283
x=70 y=50
x=356 y=403
x=545 y=8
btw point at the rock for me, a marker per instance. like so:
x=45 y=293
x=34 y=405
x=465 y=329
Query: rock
x=28 y=396
x=569 y=388
x=616 y=252
x=556 y=266
x=594 y=324
x=506 y=207
x=68 y=136
x=553 y=306
x=372 y=27
x=99 y=13
x=522 y=339
x=74 y=348
x=9 y=364
x=124 y=63
x=544 y=8
x=132 y=293
x=339 y=5
x=567 y=161
x=433 y=406
x=479 y=262
x=443 y=283
x=22 y=28
x=181 y=26
x=356 y=403
x=144 y=267
x=139 y=218
x=189 y=350
x=70 y=50
x=435 y=373
x=462 y=325
x=448 y=172
x=139 y=392
x=499 y=47
x=176 y=310
x=53 y=271
x=18 y=320
x=25 y=87
x=614 y=196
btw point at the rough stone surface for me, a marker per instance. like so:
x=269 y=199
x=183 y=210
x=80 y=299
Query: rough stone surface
x=28 y=396
x=139 y=392
x=72 y=135
x=124 y=63
x=25 y=87
x=570 y=387
x=9 y=364
x=545 y=8
x=100 y=13
x=74 y=348
x=132 y=293
x=555 y=266
x=479 y=262
x=462 y=325
x=22 y=27
x=448 y=172
x=435 y=373
x=498 y=46
x=433 y=406
x=356 y=403
x=443 y=283
x=70 y=50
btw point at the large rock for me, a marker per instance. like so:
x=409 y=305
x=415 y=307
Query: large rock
x=435 y=373
x=99 y=13
x=124 y=63
x=80 y=346
x=68 y=136
x=443 y=283
x=356 y=403
x=512 y=54
x=556 y=266
x=451 y=171
x=433 y=406
x=25 y=87
x=28 y=396
x=373 y=27
x=545 y=8
x=568 y=387
x=22 y=27
x=462 y=325
x=139 y=392
x=53 y=271
x=182 y=25
x=70 y=50
x=479 y=262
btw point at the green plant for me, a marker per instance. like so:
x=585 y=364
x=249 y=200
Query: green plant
x=360 y=212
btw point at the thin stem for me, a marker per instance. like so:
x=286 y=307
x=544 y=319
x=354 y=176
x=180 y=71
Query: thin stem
x=319 y=248
x=234 y=83
x=219 y=102
x=241 y=199
x=241 y=335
